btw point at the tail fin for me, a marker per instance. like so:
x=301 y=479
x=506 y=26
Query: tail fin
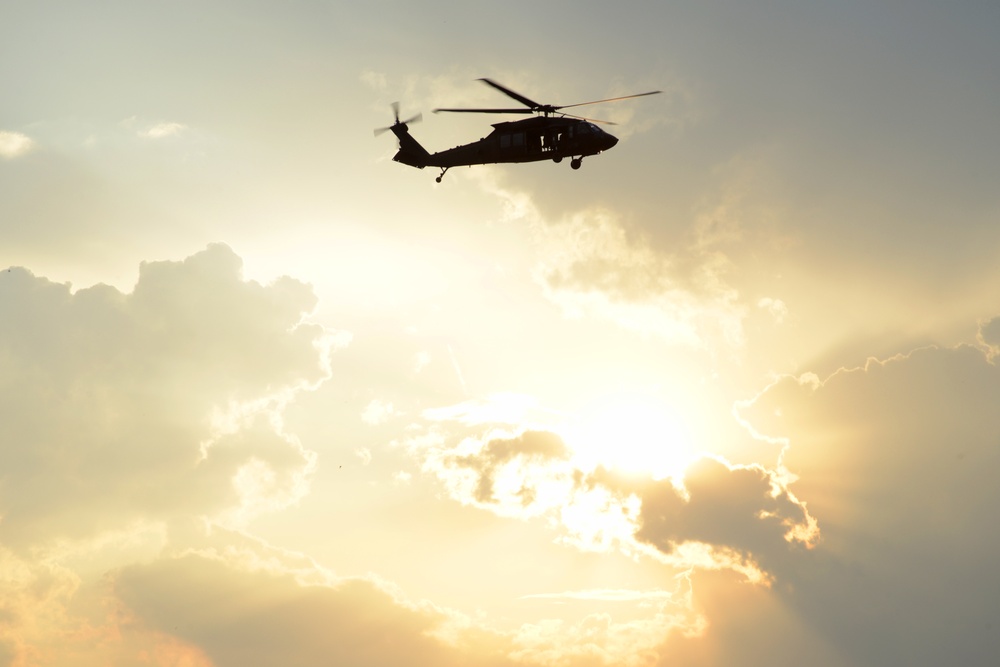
x=410 y=151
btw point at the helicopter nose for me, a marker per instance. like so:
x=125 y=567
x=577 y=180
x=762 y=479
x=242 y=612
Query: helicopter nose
x=609 y=141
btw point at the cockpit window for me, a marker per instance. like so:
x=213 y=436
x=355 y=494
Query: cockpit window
x=584 y=128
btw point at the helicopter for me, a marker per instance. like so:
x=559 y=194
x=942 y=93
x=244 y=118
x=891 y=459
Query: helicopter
x=550 y=134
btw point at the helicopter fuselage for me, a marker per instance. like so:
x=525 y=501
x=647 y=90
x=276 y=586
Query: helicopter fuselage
x=529 y=140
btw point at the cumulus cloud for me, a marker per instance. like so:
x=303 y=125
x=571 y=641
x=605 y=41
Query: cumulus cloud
x=499 y=471
x=233 y=600
x=598 y=640
x=122 y=408
x=32 y=598
x=15 y=144
x=871 y=532
x=124 y=413
x=989 y=336
x=745 y=625
x=744 y=513
x=716 y=515
x=249 y=616
x=591 y=266
x=896 y=460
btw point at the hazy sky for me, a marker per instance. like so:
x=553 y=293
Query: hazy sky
x=726 y=395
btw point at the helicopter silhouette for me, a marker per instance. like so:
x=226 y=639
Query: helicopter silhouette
x=550 y=134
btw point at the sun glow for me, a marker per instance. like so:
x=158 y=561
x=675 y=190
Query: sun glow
x=631 y=433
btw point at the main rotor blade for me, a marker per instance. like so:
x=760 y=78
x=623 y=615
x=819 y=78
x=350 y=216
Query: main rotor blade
x=611 y=99
x=510 y=93
x=592 y=120
x=486 y=110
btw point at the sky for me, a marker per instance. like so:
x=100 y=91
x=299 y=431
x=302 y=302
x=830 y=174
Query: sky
x=726 y=395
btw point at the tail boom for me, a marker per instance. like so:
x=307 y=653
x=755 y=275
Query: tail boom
x=410 y=151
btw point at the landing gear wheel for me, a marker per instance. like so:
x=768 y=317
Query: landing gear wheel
x=576 y=162
x=557 y=160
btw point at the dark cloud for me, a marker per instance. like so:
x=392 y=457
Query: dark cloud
x=116 y=408
x=746 y=625
x=244 y=618
x=989 y=333
x=740 y=508
x=897 y=462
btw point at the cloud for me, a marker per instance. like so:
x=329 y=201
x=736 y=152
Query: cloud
x=503 y=408
x=598 y=640
x=745 y=625
x=592 y=265
x=117 y=409
x=377 y=412
x=49 y=617
x=989 y=336
x=15 y=144
x=163 y=130
x=604 y=594
x=518 y=475
x=716 y=515
x=744 y=513
x=896 y=461
x=775 y=307
x=421 y=360
x=376 y=81
x=251 y=616
x=491 y=463
x=32 y=597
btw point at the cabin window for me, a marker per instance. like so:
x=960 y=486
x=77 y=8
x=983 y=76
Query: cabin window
x=583 y=128
x=515 y=140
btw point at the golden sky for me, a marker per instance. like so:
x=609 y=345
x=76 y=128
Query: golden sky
x=726 y=395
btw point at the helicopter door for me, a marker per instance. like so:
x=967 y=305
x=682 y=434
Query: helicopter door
x=535 y=141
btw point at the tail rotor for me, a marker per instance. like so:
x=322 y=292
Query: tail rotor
x=398 y=124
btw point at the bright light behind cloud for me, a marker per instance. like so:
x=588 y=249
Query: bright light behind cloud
x=631 y=432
